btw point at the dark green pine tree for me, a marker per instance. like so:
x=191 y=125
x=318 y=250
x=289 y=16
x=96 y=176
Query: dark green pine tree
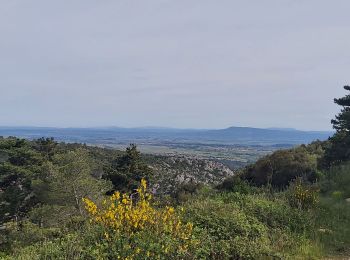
x=127 y=171
x=338 y=150
x=342 y=121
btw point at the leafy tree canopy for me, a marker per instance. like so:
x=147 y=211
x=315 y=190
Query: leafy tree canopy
x=281 y=167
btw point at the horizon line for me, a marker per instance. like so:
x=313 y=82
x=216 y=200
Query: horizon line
x=164 y=127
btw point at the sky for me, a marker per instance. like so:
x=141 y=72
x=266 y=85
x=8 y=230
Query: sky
x=173 y=63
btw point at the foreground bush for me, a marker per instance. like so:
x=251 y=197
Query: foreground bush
x=230 y=233
x=333 y=221
x=238 y=226
x=134 y=229
x=122 y=227
x=226 y=225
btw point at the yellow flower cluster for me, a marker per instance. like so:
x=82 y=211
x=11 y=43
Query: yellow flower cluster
x=304 y=196
x=124 y=214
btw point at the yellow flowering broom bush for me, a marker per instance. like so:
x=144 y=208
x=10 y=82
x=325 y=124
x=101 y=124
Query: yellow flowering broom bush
x=132 y=228
x=301 y=195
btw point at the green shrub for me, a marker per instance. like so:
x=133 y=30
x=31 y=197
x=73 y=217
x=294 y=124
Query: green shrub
x=277 y=214
x=232 y=233
x=282 y=167
x=338 y=195
x=235 y=184
x=186 y=190
x=333 y=222
x=337 y=180
x=69 y=247
x=25 y=233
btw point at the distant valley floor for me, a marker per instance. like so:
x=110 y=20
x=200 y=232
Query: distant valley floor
x=234 y=146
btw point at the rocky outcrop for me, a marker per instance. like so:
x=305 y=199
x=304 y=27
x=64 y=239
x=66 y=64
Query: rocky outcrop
x=172 y=171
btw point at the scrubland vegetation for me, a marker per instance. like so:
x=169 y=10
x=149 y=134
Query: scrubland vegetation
x=70 y=201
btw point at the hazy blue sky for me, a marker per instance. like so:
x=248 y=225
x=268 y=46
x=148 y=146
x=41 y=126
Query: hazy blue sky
x=178 y=63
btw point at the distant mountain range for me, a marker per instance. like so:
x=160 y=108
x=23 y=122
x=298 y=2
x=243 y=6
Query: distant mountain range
x=119 y=135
